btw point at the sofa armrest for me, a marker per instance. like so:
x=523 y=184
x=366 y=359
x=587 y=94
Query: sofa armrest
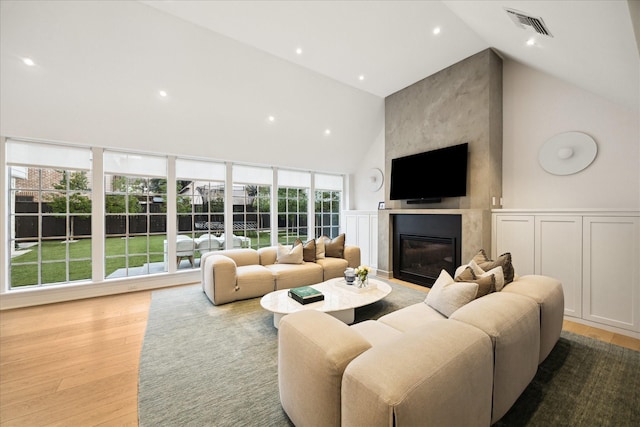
x=548 y=293
x=440 y=375
x=219 y=277
x=268 y=255
x=352 y=255
x=314 y=349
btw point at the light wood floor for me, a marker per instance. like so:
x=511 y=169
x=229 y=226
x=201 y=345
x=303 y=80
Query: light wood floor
x=76 y=363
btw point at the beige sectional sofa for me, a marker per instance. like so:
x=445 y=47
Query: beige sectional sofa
x=236 y=274
x=415 y=366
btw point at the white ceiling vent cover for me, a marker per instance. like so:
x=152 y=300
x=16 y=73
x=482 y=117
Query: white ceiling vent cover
x=523 y=21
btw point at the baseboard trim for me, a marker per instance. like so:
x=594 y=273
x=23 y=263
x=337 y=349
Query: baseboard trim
x=19 y=298
x=604 y=327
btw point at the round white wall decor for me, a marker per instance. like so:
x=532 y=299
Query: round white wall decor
x=567 y=153
x=375 y=179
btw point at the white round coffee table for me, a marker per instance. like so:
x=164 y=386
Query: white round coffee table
x=340 y=299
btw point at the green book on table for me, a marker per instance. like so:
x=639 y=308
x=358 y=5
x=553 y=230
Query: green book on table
x=305 y=294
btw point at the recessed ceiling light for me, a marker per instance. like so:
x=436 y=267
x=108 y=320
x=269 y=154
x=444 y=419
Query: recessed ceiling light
x=436 y=30
x=28 y=61
x=162 y=93
x=299 y=51
x=271 y=119
x=327 y=132
x=361 y=77
x=531 y=41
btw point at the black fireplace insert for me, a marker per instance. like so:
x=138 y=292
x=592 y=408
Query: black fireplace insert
x=424 y=245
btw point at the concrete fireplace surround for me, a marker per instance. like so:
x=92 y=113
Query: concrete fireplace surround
x=462 y=103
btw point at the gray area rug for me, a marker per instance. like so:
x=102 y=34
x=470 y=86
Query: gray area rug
x=206 y=365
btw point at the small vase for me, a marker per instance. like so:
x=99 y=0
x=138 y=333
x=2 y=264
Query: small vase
x=362 y=283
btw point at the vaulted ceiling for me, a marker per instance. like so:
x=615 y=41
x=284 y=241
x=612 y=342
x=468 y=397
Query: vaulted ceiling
x=384 y=46
x=224 y=80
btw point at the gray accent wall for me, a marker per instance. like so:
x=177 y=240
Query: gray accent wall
x=462 y=103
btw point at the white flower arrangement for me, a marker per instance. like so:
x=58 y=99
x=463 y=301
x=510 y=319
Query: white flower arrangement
x=362 y=272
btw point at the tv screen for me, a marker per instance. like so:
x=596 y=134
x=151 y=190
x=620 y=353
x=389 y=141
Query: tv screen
x=430 y=175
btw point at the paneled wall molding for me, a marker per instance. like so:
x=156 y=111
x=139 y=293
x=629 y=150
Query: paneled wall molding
x=593 y=252
x=361 y=229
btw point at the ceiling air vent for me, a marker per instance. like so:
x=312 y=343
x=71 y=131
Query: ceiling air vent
x=523 y=21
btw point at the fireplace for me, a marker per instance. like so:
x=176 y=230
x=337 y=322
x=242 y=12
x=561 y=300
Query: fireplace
x=423 y=245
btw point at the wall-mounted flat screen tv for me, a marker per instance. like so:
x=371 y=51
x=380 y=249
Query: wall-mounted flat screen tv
x=430 y=175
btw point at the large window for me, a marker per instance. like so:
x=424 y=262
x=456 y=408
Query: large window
x=50 y=214
x=293 y=197
x=200 y=208
x=135 y=214
x=79 y=214
x=251 y=206
x=328 y=197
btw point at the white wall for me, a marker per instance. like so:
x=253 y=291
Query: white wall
x=361 y=195
x=537 y=107
x=100 y=65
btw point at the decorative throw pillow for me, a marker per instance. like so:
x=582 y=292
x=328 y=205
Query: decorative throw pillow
x=308 y=250
x=320 y=248
x=467 y=275
x=486 y=284
x=447 y=295
x=334 y=248
x=480 y=257
x=498 y=277
x=287 y=255
x=486 y=281
x=503 y=261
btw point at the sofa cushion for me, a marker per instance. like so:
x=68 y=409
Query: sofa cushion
x=313 y=351
x=334 y=248
x=268 y=255
x=332 y=267
x=288 y=276
x=308 y=250
x=547 y=292
x=289 y=255
x=376 y=333
x=253 y=281
x=513 y=324
x=435 y=376
x=242 y=256
x=447 y=295
x=414 y=316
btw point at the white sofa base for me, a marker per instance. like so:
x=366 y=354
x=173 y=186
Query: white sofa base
x=414 y=366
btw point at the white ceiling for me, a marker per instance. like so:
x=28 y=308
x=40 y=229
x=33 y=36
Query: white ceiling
x=392 y=44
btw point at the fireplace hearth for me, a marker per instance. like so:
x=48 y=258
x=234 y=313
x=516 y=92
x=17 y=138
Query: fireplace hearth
x=423 y=245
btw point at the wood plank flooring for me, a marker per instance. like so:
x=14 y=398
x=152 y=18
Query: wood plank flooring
x=76 y=363
x=73 y=363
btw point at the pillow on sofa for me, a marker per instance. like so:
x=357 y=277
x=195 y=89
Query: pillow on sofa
x=286 y=255
x=466 y=275
x=334 y=248
x=320 y=248
x=308 y=250
x=498 y=274
x=503 y=261
x=447 y=295
x=486 y=281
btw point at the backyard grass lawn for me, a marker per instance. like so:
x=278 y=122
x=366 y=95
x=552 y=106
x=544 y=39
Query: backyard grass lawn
x=80 y=259
x=24 y=268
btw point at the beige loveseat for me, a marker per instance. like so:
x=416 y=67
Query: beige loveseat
x=415 y=366
x=237 y=274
